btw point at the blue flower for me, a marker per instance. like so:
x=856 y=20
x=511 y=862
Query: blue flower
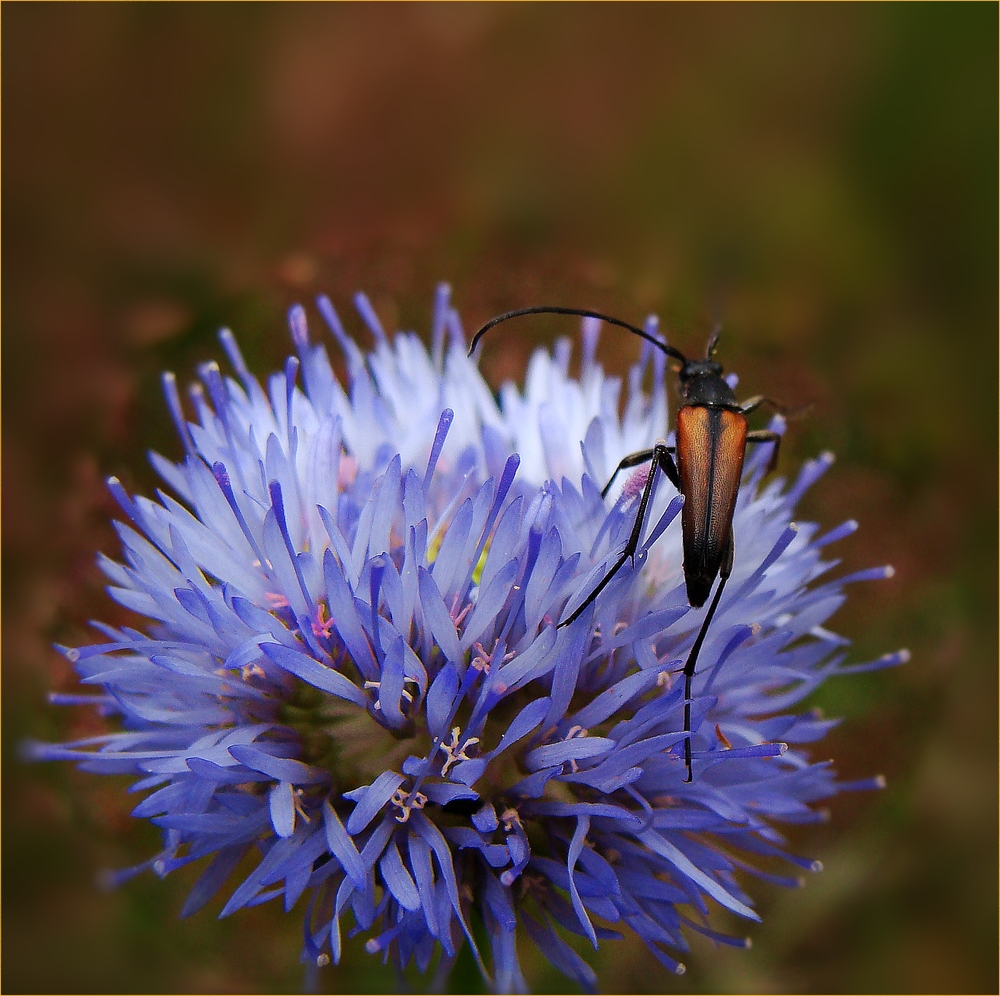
x=352 y=666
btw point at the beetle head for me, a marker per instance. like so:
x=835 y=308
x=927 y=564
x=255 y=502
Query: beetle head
x=694 y=369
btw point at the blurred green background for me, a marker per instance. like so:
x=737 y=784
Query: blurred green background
x=821 y=177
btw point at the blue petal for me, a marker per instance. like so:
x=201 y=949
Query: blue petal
x=448 y=562
x=668 y=851
x=391 y=685
x=270 y=863
x=436 y=616
x=532 y=663
x=282 y=805
x=282 y=768
x=576 y=845
x=497 y=855
x=232 y=775
x=574 y=749
x=342 y=847
x=213 y=878
x=423 y=872
x=490 y=602
x=397 y=879
x=538 y=594
x=520 y=726
x=370 y=799
x=560 y=953
x=605 y=705
x=444 y=792
x=345 y=616
x=441 y=700
x=314 y=673
x=485 y=819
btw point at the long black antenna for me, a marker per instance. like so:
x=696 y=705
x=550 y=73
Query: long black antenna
x=582 y=313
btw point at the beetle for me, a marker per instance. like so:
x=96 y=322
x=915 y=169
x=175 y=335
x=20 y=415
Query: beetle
x=705 y=464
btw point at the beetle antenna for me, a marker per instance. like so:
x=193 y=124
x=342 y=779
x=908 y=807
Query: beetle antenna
x=713 y=341
x=583 y=313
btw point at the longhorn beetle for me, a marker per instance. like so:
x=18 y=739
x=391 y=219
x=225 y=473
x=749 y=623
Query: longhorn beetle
x=711 y=440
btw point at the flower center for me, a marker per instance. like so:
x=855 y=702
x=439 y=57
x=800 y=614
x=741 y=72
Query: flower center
x=345 y=740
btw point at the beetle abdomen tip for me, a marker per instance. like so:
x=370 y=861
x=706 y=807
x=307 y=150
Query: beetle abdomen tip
x=697 y=590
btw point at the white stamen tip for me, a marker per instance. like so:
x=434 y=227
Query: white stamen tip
x=889 y=570
x=904 y=655
x=323 y=960
x=879 y=781
x=816 y=866
x=680 y=969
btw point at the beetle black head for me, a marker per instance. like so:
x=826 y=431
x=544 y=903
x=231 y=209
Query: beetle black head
x=694 y=369
x=708 y=367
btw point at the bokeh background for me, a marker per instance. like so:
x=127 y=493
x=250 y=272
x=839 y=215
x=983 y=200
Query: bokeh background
x=823 y=178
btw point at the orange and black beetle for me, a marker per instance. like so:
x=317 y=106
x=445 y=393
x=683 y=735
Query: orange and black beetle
x=711 y=439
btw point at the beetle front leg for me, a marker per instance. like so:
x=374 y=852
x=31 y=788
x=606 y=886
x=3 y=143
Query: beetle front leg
x=662 y=454
x=661 y=460
x=766 y=436
x=632 y=460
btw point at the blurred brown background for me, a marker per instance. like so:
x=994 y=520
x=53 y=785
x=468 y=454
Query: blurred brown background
x=822 y=177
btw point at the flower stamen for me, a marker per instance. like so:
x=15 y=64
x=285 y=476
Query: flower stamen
x=297 y=803
x=458 y=619
x=510 y=818
x=454 y=752
x=322 y=626
x=407 y=801
x=404 y=694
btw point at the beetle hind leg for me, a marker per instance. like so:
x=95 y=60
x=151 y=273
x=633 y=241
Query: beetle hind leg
x=692 y=661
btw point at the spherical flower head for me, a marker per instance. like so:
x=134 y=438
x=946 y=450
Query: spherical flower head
x=353 y=666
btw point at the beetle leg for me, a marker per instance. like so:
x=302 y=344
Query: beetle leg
x=766 y=436
x=724 y=572
x=661 y=453
x=668 y=466
x=752 y=404
x=632 y=460
x=660 y=457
